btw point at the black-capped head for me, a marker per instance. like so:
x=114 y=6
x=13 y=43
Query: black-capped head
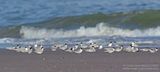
x=30 y=47
x=71 y=48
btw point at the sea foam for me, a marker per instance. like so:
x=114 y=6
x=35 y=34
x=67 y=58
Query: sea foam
x=100 y=29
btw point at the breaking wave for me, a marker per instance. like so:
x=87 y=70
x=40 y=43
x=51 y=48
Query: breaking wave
x=101 y=29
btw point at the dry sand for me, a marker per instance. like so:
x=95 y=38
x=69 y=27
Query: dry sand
x=60 y=61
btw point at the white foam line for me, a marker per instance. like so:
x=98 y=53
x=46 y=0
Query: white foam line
x=100 y=30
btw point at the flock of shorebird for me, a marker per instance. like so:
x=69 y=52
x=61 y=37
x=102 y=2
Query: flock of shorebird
x=79 y=48
x=37 y=49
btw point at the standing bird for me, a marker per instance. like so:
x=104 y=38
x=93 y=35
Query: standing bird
x=64 y=47
x=131 y=48
x=77 y=49
x=109 y=49
x=153 y=50
x=118 y=49
x=83 y=46
x=14 y=48
x=134 y=47
x=18 y=48
x=54 y=48
x=38 y=49
x=91 y=48
x=30 y=49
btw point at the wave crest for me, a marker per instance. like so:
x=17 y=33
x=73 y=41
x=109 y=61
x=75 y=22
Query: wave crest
x=100 y=30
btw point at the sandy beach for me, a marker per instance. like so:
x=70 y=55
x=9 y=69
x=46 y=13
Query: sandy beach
x=59 y=61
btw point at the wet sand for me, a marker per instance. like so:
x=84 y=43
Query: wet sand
x=59 y=61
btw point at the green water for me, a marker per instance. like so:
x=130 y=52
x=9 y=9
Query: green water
x=132 y=20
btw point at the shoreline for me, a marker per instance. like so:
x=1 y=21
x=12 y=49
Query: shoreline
x=60 y=61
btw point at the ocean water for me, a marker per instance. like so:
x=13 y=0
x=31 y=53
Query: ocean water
x=22 y=11
x=73 y=21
